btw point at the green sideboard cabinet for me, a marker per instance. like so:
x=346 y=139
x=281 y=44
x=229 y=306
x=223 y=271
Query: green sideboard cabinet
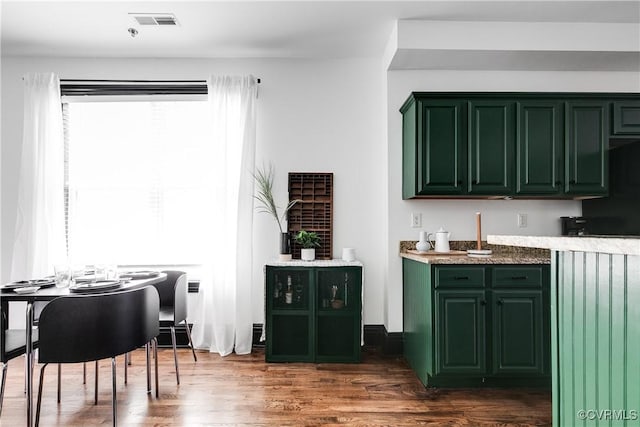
x=313 y=314
x=523 y=145
x=481 y=325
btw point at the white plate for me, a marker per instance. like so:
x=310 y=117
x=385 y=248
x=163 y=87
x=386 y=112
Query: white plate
x=99 y=286
x=479 y=252
x=26 y=289
x=479 y=255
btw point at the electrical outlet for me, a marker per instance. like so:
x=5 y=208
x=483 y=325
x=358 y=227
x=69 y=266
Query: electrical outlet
x=522 y=220
x=416 y=220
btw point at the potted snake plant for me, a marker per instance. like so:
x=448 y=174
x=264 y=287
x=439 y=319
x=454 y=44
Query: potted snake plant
x=266 y=203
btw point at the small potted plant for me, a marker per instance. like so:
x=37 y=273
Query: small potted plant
x=309 y=242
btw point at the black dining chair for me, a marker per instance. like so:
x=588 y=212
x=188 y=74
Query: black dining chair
x=86 y=328
x=173 y=309
x=12 y=345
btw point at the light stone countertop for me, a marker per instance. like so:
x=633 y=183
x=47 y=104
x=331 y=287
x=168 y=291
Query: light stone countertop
x=610 y=245
x=496 y=258
x=500 y=255
x=316 y=263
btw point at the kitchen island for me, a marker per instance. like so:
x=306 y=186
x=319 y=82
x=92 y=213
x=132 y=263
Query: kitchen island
x=595 y=327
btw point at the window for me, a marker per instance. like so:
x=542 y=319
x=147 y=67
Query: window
x=138 y=184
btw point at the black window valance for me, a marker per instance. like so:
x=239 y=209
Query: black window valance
x=132 y=87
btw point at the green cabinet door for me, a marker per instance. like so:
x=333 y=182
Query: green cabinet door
x=519 y=344
x=586 y=148
x=441 y=134
x=539 y=145
x=460 y=332
x=338 y=308
x=289 y=315
x=490 y=147
x=626 y=118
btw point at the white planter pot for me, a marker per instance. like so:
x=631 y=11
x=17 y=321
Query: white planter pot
x=308 y=254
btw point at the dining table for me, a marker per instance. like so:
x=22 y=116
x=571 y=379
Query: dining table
x=50 y=293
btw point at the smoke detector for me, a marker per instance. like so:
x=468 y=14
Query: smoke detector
x=157 y=19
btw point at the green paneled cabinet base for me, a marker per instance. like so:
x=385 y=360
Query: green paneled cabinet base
x=480 y=325
x=522 y=145
x=596 y=339
x=313 y=314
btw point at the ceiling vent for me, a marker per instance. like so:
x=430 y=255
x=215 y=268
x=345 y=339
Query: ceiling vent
x=164 y=19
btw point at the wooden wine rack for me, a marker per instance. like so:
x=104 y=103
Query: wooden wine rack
x=314 y=211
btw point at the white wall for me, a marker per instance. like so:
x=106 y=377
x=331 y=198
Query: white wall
x=336 y=116
x=313 y=115
x=458 y=216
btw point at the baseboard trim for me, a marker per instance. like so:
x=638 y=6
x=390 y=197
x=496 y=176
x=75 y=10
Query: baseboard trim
x=376 y=336
x=257 y=334
x=182 y=340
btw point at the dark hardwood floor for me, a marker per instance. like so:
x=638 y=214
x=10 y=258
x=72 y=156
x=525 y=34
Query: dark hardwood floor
x=244 y=390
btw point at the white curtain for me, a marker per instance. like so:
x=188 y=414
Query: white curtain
x=223 y=322
x=39 y=239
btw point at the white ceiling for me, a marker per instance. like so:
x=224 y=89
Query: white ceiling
x=291 y=29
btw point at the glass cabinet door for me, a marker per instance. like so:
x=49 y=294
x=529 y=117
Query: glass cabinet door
x=289 y=319
x=338 y=289
x=338 y=302
x=289 y=290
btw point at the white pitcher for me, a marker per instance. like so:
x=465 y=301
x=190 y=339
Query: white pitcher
x=441 y=243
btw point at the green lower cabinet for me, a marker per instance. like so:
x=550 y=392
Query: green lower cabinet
x=313 y=314
x=460 y=332
x=494 y=332
x=518 y=333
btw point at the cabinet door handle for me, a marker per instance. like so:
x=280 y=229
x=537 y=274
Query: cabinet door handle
x=461 y=278
x=519 y=278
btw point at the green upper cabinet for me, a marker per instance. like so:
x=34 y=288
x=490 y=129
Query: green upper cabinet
x=586 y=148
x=626 y=119
x=523 y=145
x=433 y=135
x=539 y=146
x=491 y=139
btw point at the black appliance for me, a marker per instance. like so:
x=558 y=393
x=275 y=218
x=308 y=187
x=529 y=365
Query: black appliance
x=573 y=226
x=618 y=214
